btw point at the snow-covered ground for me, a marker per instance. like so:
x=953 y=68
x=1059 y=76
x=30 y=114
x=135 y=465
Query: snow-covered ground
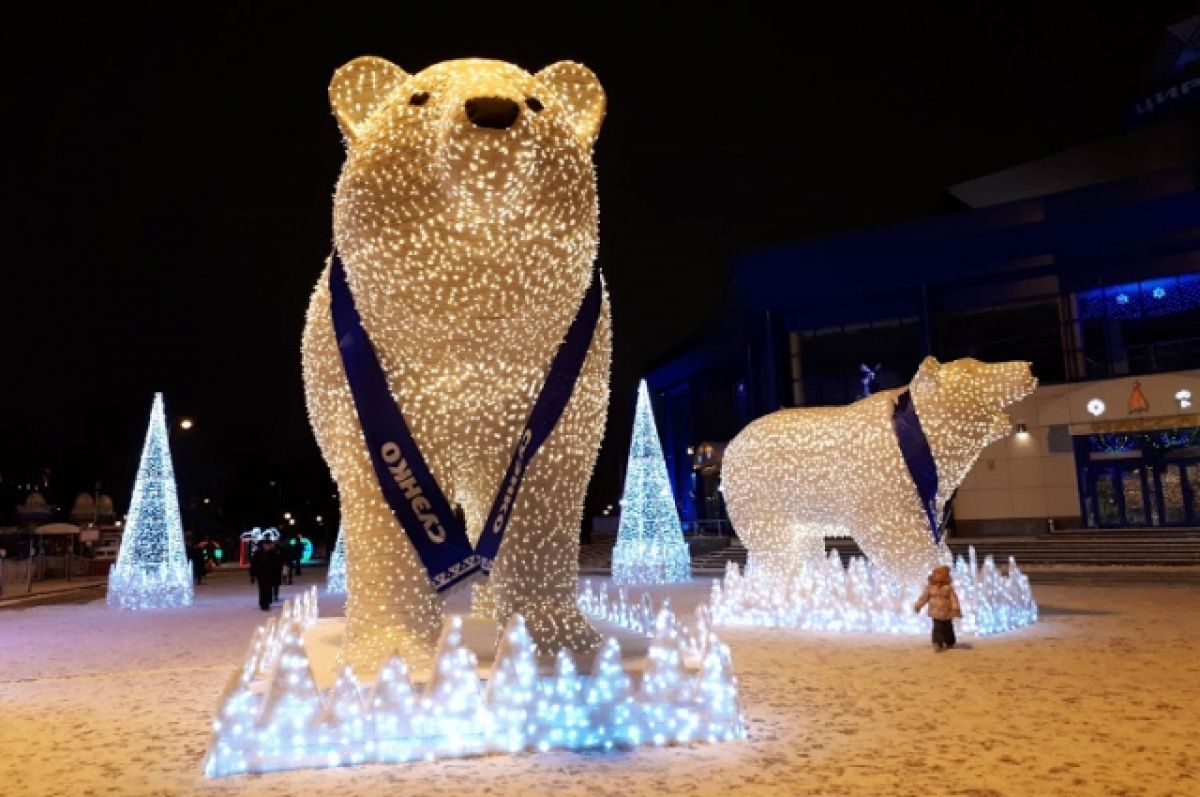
x=1100 y=697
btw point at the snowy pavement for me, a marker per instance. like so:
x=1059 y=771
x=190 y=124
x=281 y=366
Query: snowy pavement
x=1100 y=697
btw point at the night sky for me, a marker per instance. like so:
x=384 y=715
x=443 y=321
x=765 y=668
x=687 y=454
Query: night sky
x=170 y=176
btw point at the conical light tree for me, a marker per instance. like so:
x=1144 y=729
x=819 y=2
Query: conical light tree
x=335 y=579
x=152 y=570
x=650 y=547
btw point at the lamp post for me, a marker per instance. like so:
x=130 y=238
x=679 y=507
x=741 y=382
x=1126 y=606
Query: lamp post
x=181 y=425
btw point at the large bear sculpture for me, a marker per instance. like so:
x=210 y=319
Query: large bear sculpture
x=795 y=476
x=466 y=220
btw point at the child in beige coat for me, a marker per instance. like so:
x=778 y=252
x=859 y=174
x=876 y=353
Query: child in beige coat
x=943 y=607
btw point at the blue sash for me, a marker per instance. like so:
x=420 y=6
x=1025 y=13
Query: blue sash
x=914 y=447
x=556 y=392
x=412 y=493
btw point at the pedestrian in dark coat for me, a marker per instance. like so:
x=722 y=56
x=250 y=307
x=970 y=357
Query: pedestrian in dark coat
x=267 y=569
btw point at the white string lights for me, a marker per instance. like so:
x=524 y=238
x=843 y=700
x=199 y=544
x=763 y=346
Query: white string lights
x=796 y=476
x=467 y=249
x=822 y=595
x=274 y=717
x=152 y=571
x=650 y=548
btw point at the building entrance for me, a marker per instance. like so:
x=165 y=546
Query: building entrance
x=1134 y=480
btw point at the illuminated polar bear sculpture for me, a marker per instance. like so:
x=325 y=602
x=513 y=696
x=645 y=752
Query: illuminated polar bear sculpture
x=796 y=476
x=466 y=219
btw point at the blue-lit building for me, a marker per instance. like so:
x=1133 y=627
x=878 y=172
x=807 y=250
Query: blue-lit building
x=1086 y=263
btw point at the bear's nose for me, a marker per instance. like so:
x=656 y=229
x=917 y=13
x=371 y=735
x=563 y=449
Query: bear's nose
x=497 y=113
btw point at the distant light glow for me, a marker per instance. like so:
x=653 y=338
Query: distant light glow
x=1122 y=298
x=1184 y=397
x=1159 y=292
x=152 y=571
x=257 y=535
x=1096 y=407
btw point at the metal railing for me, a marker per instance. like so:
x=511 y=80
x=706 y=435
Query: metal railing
x=17 y=576
x=707 y=528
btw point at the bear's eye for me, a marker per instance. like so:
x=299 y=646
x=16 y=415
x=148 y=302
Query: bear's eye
x=420 y=98
x=534 y=104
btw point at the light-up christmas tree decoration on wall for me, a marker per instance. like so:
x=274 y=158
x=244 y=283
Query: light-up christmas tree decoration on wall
x=152 y=571
x=466 y=220
x=650 y=547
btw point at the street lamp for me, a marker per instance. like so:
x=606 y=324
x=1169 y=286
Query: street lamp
x=186 y=423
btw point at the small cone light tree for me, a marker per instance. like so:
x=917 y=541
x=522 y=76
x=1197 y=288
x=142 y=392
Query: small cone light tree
x=152 y=570
x=650 y=547
x=335 y=579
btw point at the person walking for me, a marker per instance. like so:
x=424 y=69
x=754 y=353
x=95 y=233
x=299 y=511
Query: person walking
x=943 y=607
x=267 y=570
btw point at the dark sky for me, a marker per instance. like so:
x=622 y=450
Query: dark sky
x=170 y=175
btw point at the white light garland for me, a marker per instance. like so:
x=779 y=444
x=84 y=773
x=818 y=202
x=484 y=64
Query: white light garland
x=796 y=476
x=274 y=717
x=152 y=571
x=467 y=250
x=650 y=548
x=822 y=595
x=335 y=577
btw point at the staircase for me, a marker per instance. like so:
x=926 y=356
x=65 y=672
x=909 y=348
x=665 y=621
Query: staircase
x=1147 y=547
x=1141 y=547
x=714 y=561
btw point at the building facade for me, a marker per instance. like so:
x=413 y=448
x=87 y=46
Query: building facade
x=1086 y=264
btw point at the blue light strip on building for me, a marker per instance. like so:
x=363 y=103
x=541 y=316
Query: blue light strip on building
x=1148 y=298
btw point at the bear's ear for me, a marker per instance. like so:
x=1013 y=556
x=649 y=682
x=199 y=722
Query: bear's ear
x=581 y=94
x=927 y=373
x=359 y=88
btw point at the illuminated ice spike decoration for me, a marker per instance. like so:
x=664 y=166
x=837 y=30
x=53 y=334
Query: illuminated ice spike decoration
x=152 y=571
x=650 y=547
x=642 y=618
x=796 y=476
x=273 y=716
x=335 y=578
x=822 y=595
x=466 y=218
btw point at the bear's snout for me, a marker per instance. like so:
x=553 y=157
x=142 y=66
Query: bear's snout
x=497 y=113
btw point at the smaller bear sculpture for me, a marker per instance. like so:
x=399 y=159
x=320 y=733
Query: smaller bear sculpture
x=796 y=476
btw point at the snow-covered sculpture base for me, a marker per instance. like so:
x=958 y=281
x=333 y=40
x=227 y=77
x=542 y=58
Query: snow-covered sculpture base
x=164 y=585
x=822 y=595
x=656 y=561
x=274 y=716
